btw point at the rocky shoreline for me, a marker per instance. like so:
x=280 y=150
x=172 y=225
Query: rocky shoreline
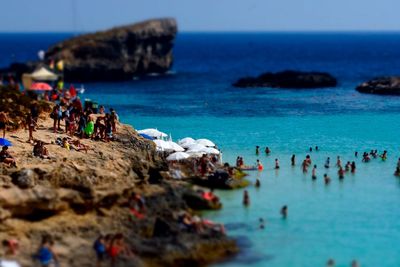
x=74 y=196
x=381 y=86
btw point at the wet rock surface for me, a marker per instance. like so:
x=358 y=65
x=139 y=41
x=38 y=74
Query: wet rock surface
x=381 y=86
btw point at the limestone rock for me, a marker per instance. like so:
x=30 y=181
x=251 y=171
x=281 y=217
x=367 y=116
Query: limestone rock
x=381 y=86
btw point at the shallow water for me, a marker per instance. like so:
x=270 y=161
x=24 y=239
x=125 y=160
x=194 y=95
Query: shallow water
x=357 y=218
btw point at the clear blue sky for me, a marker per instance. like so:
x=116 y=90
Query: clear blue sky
x=203 y=15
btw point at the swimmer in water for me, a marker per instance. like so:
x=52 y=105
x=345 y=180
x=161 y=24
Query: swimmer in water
x=284 y=212
x=398 y=163
x=327 y=179
x=330 y=263
x=262 y=223
x=267 y=151
x=257 y=150
x=327 y=162
x=338 y=162
x=293 y=160
x=308 y=160
x=258 y=183
x=314 y=173
x=246 y=198
x=354 y=263
x=276 y=164
x=316 y=148
x=341 y=173
x=397 y=172
x=310 y=149
x=353 y=167
x=356 y=154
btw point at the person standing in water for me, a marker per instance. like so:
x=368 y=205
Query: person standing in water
x=310 y=149
x=316 y=148
x=398 y=163
x=293 y=160
x=284 y=212
x=267 y=151
x=347 y=166
x=246 y=198
x=276 y=164
x=341 y=173
x=356 y=154
x=353 y=167
x=304 y=165
x=314 y=173
x=260 y=167
x=338 y=162
x=257 y=150
x=327 y=162
x=258 y=183
x=384 y=155
x=327 y=179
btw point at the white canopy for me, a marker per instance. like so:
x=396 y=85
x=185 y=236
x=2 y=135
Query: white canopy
x=43 y=74
x=195 y=154
x=168 y=146
x=178 y=156
x=196 y=147
x=7 y=263
x=153 y=133
x=187 y=140
x=211 y=150
x=205 y=142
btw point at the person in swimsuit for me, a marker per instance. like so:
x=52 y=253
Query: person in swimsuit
x=246 y=198
x=284 y=212
x=258 y=183
x=384 y=155
x=117 y=248
x=353 y=167
x=327 y=162
x=293 y=160
x=327 y=179
x=3 y=122
x=397 y=172
x=114 y=119
x=338 y=162
x=304 y=165
x=314 y=173
x=6 y=157
x=30 y=123
x=276 y=164
x=267 y=151
x=341 y=173
x=257 y=150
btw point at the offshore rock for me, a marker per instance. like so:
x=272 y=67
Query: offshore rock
x=119 y=53
x=289 y=79
x=381 y=86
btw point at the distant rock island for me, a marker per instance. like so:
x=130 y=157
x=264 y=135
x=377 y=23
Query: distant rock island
x=289 y=79
x=381 y=86
x=116 y=54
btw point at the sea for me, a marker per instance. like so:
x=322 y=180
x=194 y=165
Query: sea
x=357 y=218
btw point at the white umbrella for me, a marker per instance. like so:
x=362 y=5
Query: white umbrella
x=162 y=145
x=211 y=150
x=195 y=154
x=187 y=140
x=205 y=142
x=175 y=147
x=178 y=156
x=195 y=147
x=153 y=133
x=43 y=74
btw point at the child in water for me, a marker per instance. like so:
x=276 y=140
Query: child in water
x=327 y=179
x=260 y=167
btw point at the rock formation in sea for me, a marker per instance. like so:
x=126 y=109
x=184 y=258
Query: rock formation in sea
x=289 y=79
x=381 y=86
x=116 y=54
x=75 y=196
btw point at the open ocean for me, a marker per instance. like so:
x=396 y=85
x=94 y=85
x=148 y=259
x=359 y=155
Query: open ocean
x=358 y=218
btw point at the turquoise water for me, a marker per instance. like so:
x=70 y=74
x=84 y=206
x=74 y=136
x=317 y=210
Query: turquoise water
x=357 y=218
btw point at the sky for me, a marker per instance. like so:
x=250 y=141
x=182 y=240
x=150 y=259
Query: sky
x=202 y=15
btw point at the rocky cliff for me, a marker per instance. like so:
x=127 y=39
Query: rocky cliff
x=119 y=53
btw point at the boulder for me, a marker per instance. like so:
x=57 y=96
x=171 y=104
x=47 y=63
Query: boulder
x=25 y=178
x=119 y=53
x=381 y=86
x=289 y=79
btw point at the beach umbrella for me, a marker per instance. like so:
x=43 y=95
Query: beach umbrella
x=196 y=147
x=186 y=140
x=5 y=142
x=7 y=263
x=40 y=87
x=205 y=142
x=211 y=150
x=153 y=133
x=145 y=136
x=195 y=154
x=43 y=74
x=162 y=145
x=175 y=147
x=178 y=156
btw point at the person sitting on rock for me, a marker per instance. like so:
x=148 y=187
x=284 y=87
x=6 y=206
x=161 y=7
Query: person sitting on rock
x=210 y=196
x=11 y=246
x=6 y=157
x=118 y=248
x=39 y=150
x=100 y=247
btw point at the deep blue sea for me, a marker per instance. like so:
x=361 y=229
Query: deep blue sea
x=358 y=218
